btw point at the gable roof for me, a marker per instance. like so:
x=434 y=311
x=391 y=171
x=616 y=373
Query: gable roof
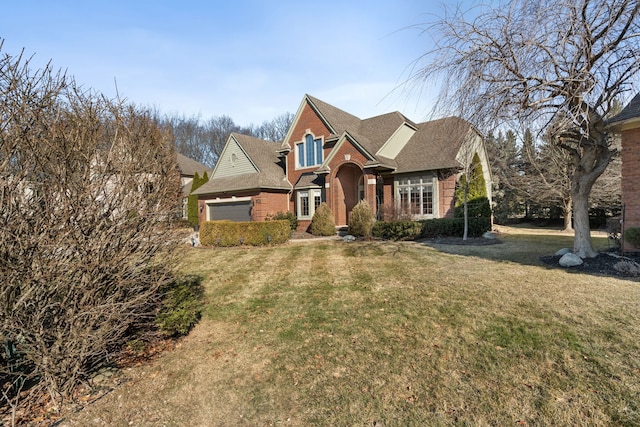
x=263 y=155
x=631 y=112
x=435 y=145
x=424 y=146
x=189 y=167
x=336 y=119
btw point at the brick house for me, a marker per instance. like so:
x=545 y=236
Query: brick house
x=399 y=167
x=627 y=124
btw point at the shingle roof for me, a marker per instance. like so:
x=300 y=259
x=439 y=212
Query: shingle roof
x=434 y=145
x=377 y=130
x=309 y=180
x=631 y=111
x=270 y=172
x=337 y=119
x=189 y=167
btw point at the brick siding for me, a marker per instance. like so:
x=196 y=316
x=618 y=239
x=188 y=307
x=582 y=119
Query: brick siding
x=631 y=179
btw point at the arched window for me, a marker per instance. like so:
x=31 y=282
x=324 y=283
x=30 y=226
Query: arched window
x=309 y=152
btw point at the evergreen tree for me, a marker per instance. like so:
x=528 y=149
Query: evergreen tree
x=476 y=197
x=192 y=201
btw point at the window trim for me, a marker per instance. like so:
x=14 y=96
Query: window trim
x=311 y=194
x=302 y=153
x=420 y=182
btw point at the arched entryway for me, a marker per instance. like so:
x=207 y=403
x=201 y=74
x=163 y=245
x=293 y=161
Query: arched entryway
x=348 y=191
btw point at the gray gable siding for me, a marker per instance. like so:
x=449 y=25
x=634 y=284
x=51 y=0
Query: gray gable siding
x=233 y=161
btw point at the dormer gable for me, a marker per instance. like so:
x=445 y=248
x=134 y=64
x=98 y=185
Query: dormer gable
x=392 y=147
x=234 y=160
x=334 y=119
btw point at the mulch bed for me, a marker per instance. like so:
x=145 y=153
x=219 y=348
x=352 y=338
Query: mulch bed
x=472 y=241
x=604 y=264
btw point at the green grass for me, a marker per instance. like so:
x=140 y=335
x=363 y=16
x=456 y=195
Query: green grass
x=399 y=334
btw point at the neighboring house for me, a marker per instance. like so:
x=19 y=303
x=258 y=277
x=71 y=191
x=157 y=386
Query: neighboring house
x=247 y=184
x=627 y=123
x=401 y=168
x=188 y=168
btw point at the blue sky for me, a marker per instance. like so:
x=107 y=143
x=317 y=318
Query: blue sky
x=250 y=60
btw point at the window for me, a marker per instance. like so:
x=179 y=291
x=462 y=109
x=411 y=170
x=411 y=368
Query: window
x=415 y=196
x=308 y=202
x=309 y=152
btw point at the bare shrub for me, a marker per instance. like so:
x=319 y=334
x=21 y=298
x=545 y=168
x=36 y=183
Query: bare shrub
x=88 y=189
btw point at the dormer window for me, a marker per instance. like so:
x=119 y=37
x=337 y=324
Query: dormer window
x=309 y=152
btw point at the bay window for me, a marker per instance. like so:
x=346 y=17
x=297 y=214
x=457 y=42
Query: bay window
x=307 y=203
x=415 y=196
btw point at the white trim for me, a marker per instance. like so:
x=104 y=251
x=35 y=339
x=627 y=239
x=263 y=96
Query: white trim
x=228 y=200
x=311 y=194
x=296 y=160
x=435 y=202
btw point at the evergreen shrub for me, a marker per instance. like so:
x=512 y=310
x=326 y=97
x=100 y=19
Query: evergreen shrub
x=323 y=223
x=229 y=233
x=361 y=220
x=397 y=230
x=288 y=216
x=192 y=199
x=632 y=236
x=181 y=305
x=477 y=201
x=445 y=227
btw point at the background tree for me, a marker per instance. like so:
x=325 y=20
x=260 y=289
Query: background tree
x=88 y=190
x=204 y=141
x=503 y=156
x=557 y=66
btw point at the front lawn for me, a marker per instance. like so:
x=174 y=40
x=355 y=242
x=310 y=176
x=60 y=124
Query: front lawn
x=392 y=334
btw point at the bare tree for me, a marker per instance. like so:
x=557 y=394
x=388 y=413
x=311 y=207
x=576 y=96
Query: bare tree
x=558 y=65
x=276 y=129
x=190 y=137
x=88 y=190
x=204 y=141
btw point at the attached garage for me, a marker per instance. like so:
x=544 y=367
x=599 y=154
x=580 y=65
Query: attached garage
x=233 y=211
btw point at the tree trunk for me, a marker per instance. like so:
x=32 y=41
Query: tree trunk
x=582 y=239
x=465 y=234
x=588 y=166
x=568 y=214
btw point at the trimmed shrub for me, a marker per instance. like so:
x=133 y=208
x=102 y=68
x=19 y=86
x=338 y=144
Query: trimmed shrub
x=361 y=220
x=323 y=223
x=476 y=208
x=632 y=236
x=397 y=230
x=287 y=216
x=228 y=233
x=181 y=306
x=442 y=227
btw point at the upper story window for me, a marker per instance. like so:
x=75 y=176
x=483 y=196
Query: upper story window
x=309 y=152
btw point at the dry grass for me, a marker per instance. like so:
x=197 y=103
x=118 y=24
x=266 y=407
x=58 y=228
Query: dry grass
x=393 y=334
